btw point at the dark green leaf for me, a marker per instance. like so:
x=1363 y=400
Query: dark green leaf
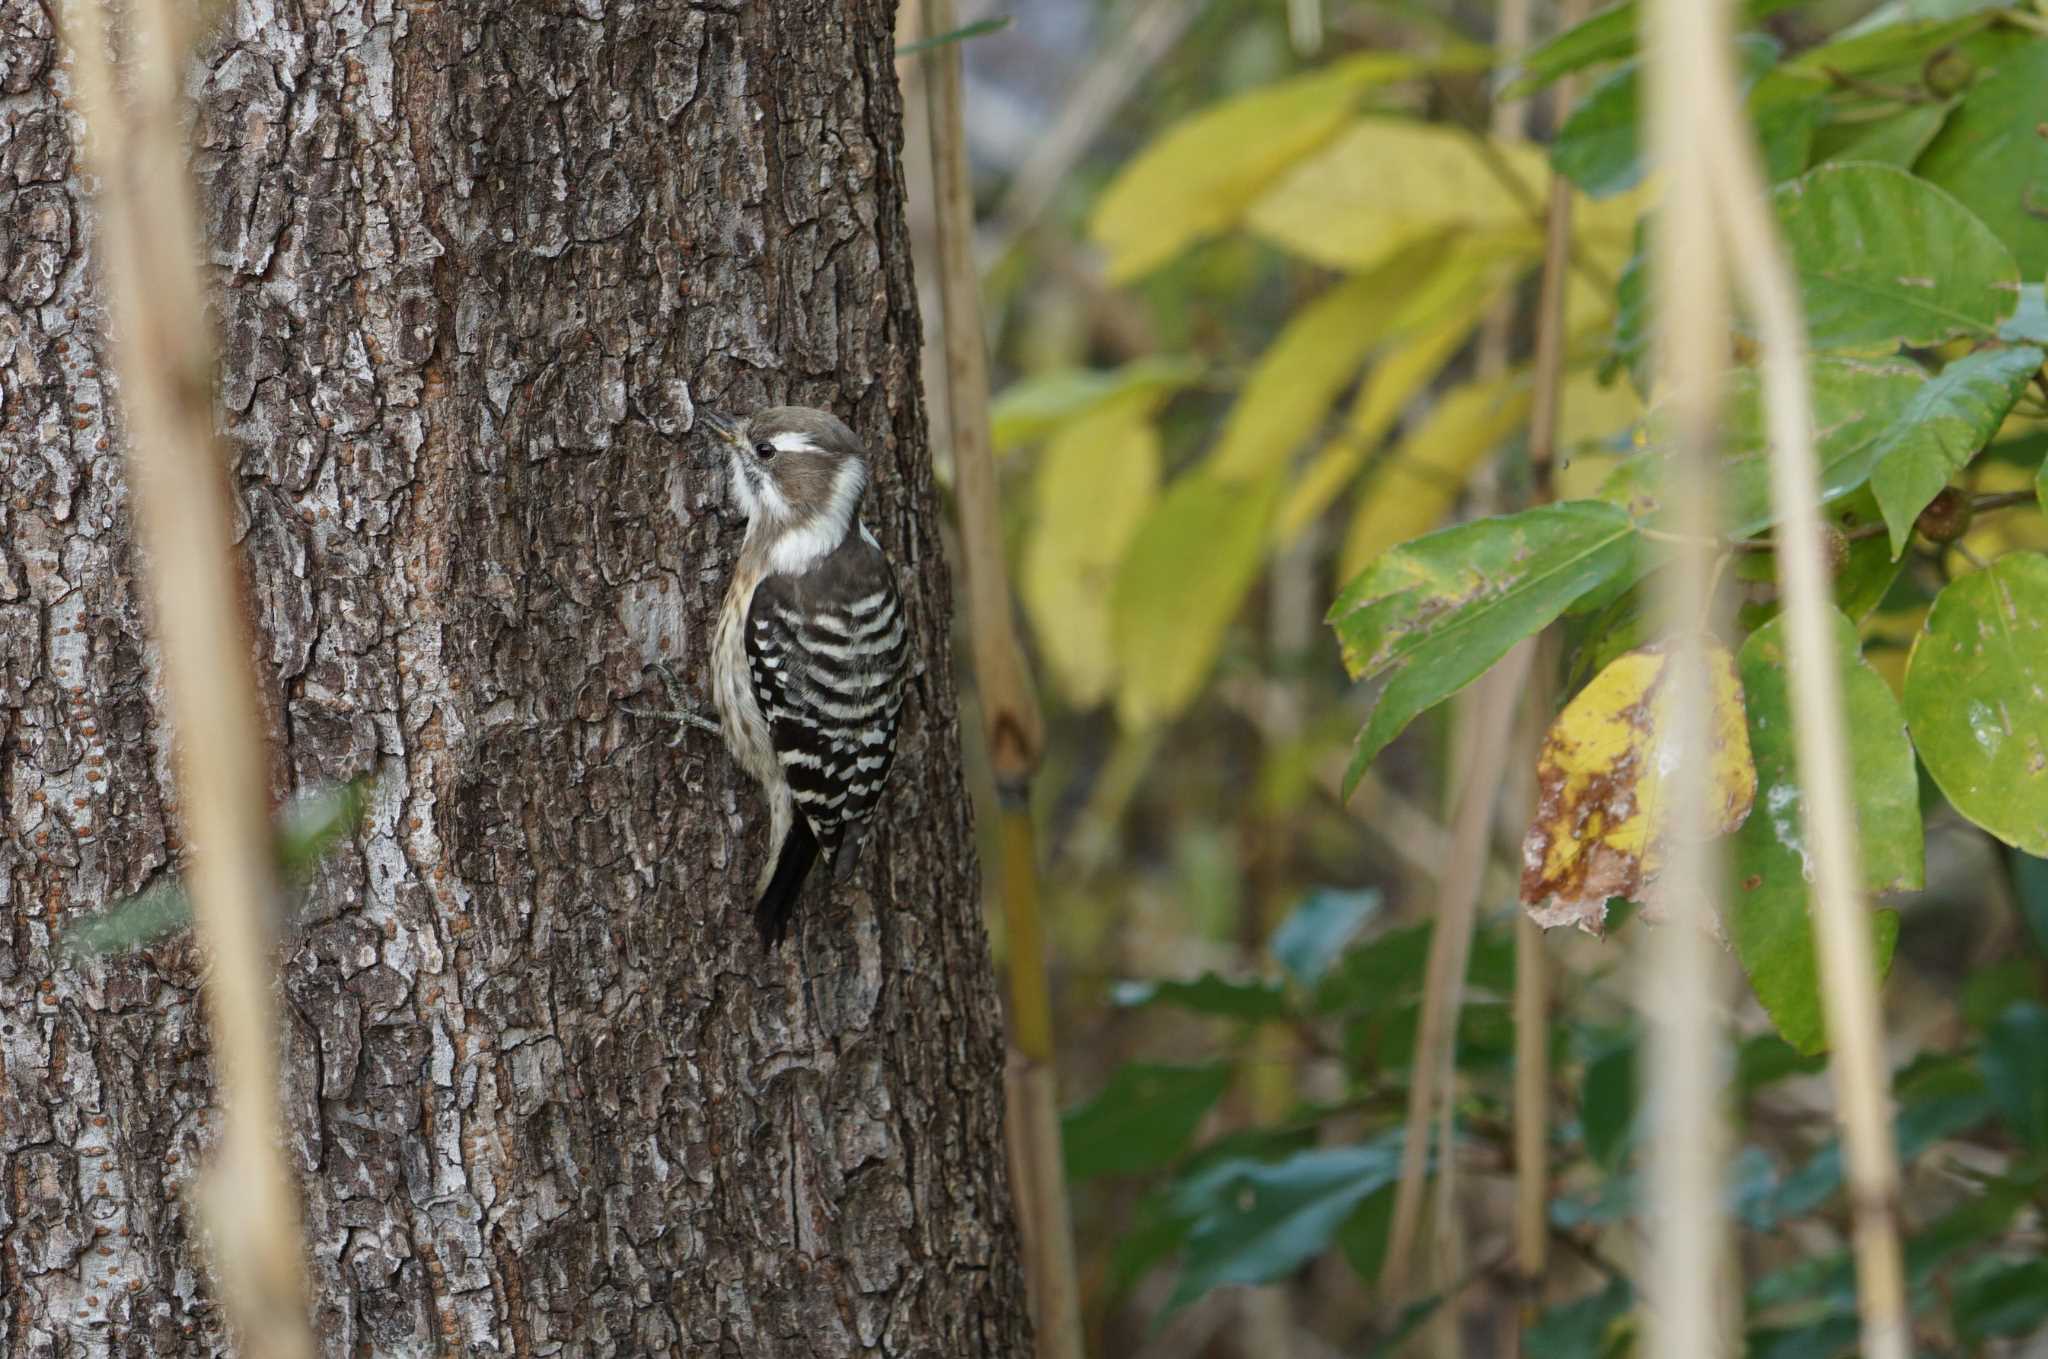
x=1607 y=1104
x=1207 y=994
x=1256 y=1221
x=2030 y=883
x=1992 y=156
x=1948 y=422
x=1823 y=1339
x=2001 y=1297
x=1886 y=258
x=2014 y=1061
x=1973 y=698
x=1363 y=1237
x=1150 y=1234
x=1608 y=36
x=1766 y=1058
x=1436 y=613
x=1142 y=1120
x=1582 y=1329
x=1387 y=972
x=1316 y=932
x=1598 y=147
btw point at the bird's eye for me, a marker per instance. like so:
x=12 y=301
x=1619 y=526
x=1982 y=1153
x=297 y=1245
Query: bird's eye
x=764 y=450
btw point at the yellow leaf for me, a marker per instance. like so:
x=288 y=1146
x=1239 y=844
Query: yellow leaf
x=1387 y=390
x=1599 y=826
x=1386 y=183
x=1180 y=584
x=1418 y=482
x=1095 y=483
x=1195 y=179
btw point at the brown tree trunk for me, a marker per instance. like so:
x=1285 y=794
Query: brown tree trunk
x=476 y=262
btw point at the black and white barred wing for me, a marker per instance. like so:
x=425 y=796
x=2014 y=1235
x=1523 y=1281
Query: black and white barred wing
x=827 y=653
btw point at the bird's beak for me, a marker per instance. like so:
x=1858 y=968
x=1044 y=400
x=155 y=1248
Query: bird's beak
x=723 y=428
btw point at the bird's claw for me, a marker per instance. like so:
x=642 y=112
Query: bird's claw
x=680 y=713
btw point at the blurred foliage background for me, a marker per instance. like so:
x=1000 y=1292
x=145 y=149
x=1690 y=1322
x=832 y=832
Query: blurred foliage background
x=1260 y=278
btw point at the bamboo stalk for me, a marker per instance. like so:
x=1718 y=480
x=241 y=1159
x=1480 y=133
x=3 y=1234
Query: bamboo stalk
x=178 y=477
x=1011 y=721
x=1841 y=916
x=1677 y=972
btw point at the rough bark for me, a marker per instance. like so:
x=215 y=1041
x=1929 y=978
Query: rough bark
x=476 y=262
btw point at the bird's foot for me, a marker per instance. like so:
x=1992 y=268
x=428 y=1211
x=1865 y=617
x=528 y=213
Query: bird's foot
x=678 y=712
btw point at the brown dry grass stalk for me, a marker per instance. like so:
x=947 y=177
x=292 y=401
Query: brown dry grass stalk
x=1841 y=916
x=1010 y=717
x=178 y=477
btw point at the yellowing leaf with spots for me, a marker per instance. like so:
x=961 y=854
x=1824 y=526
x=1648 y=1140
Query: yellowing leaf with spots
x=1599 y=827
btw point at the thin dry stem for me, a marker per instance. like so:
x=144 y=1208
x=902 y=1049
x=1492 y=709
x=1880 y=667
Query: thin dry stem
x=1678 y=973
x=1841 y=916
x=178 y=479
x=1450 y=946
x=1010 y=717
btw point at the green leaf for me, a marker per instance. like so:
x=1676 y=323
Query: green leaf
x=1607 y=1104
x=1974 y=686
x=1765 y=1058
x=306 y=830
x=1599 y=146
x=1314 y=934
x=1386 y=972
x=1434 y=614
x=1886 y=258
x=1606 y=36
x=1363 y=1237
x=1142 y=1120
x=1991 y=156
x=1029 y=410
x=1255 y=1221
x=1823 y=1339
x=1897 y=140
x=1947 y=423
x=1856 y=402
x=980 y=28
x=2014 y=1061
x=2001 y=1297
x=1582 y=1329
x=1770 y=905
x=1208 y=994
x=1179 y=586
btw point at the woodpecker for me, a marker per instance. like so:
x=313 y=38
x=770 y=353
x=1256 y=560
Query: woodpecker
x=810 y=650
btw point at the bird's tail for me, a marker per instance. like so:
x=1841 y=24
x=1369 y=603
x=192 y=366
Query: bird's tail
x=778 y=899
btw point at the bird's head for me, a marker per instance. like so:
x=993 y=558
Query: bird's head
x=792 y=466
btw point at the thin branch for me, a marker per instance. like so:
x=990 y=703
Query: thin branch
x=1841 y=915
x=180 y=489
x=1450 y=949
x=1678 y=970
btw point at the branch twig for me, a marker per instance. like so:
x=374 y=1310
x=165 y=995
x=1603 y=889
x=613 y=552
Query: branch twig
x=178 y=479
